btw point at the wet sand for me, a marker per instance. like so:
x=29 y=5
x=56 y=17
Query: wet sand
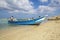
x=46 y=31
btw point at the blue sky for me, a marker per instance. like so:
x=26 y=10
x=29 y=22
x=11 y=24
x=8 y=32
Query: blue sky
x=29 y=8
x=37 y=3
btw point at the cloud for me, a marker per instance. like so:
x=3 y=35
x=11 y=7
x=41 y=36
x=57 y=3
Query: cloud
x=46 y=9
x=53 y=6
x=43 y=0
x=55 y=3
x=17 y=5
x=3 y=4
x=26 y=6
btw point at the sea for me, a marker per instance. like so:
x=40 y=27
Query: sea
x=4 y=24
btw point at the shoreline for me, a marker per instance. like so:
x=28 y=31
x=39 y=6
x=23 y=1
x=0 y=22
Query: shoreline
x=46 y=31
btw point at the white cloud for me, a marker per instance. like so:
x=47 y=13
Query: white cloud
x=3 y=4
x=20 y=5
x=25 y=6
x=46 y=9
x=53 y=6
x=43 y=0
x=55 y=3
x=15 y=11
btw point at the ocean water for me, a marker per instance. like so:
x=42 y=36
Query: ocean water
x=4 y=24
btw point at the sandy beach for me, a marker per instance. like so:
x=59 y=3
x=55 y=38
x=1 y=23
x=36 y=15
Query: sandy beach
x=45 y=31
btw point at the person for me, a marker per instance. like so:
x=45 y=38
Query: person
x=11 y=18
x=39 y=16
x=32 y=18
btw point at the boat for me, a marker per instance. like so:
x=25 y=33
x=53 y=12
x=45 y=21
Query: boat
x=28 y=22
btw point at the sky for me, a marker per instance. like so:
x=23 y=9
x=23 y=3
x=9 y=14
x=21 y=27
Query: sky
x=29 y=8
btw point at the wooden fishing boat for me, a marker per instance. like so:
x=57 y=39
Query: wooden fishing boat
x=28 y=22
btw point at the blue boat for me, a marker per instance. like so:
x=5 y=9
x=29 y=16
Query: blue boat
x=28 y=22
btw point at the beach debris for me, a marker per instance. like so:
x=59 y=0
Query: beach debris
x=54 y=18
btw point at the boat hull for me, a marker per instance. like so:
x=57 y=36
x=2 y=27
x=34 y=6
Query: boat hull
x=28 y=22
